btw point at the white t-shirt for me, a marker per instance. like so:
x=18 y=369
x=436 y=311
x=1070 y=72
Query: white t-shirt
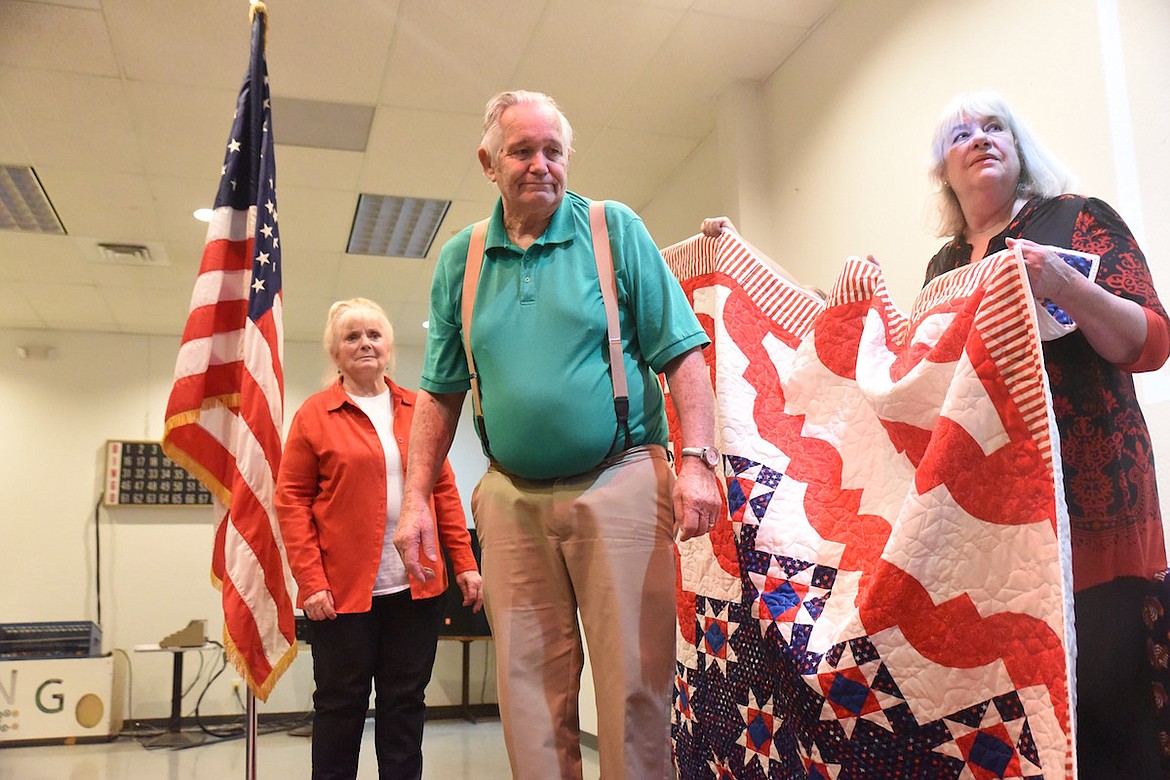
x=391 y=573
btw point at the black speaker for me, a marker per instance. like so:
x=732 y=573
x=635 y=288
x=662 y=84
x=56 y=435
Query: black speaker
x=459 y=620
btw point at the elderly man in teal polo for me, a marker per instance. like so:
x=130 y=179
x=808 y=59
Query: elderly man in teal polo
x=580 y=507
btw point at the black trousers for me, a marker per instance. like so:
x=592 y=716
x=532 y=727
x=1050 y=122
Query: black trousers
x=393 y=646
x=1117 y=736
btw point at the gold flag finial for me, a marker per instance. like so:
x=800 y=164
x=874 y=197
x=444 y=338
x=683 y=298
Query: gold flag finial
x=258 y=7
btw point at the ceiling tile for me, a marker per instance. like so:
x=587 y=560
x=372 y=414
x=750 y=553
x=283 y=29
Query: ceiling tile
x=48 y=108
x=474 y=186
x=51 y=37
x=623 y=36
x=309 y=273
x=12 y=148
x=329 y=51
x=304 y=319
x=198 y=44
x=703 y=55
x=107 y=205
x=462 y=213
x=179 y=277
x=163 y=311
x=184 y=131
x=395 y=279
x=804 y=14
x=447 y=55
x=322 y=124
x=418 y=153
x=408 y=319
x=629 y=165
x=300 y=166
x=175 y=200
x=25 y=257
x=69 y=306
x=314 y=220
x=93 y=5
x=16 y=311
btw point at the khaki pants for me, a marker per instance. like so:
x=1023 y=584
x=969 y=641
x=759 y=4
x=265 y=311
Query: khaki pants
x=601 y=543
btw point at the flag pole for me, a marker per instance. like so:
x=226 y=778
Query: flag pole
x=251 y=718
x=250 y=731
x=225 y=414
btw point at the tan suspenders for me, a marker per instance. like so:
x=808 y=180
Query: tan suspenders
x=605 y=274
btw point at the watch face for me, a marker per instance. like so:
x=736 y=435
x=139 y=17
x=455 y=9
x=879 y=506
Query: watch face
x=711 y=456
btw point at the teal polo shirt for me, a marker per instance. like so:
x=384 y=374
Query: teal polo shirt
x=539 y=339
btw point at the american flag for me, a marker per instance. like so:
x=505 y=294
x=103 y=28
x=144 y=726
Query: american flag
x=225 y=414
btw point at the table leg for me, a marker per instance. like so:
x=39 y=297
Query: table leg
x=174 y=736
x=176 y=723
x=466 y=681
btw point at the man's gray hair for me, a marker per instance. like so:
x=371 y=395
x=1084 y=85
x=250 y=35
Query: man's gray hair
x=492 y=135
x=1041 y=174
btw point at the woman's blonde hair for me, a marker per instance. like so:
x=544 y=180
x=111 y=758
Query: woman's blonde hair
x=1041 y=174
x=343 y=311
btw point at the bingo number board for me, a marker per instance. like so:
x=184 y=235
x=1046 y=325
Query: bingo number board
x=139 y=474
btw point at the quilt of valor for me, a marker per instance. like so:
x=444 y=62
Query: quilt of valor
x=887 y=594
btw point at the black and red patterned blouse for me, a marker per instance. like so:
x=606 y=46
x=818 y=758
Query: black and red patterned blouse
x=1108 y=462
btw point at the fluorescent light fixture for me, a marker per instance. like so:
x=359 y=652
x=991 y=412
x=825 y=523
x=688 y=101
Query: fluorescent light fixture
x=203 y=215
x=394 y=226
x=24 y=204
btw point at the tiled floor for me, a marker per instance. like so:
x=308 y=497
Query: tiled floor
x=453 y=749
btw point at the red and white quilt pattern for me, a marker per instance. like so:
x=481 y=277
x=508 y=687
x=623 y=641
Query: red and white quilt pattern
x=887 y=595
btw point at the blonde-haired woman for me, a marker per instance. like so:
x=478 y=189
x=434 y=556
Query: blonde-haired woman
x=337 y=498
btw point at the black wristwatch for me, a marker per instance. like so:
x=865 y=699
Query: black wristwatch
x=709 y=455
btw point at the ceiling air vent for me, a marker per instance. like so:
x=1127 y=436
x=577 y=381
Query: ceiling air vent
x=128 y=254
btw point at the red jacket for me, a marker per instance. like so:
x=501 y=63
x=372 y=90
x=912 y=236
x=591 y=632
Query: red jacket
x=331 y=501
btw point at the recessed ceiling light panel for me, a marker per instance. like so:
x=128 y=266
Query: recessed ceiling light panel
x=24 y=204
x=395 y=226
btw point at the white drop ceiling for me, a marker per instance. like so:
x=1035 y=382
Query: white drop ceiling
x=122 y=107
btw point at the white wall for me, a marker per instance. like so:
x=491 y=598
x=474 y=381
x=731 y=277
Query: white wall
x=56 y=416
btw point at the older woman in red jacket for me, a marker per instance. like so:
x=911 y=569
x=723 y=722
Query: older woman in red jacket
x=337 y=498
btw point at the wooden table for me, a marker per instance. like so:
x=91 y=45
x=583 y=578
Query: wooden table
x=465 y=707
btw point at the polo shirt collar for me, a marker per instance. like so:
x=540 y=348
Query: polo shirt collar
x=559 y=230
